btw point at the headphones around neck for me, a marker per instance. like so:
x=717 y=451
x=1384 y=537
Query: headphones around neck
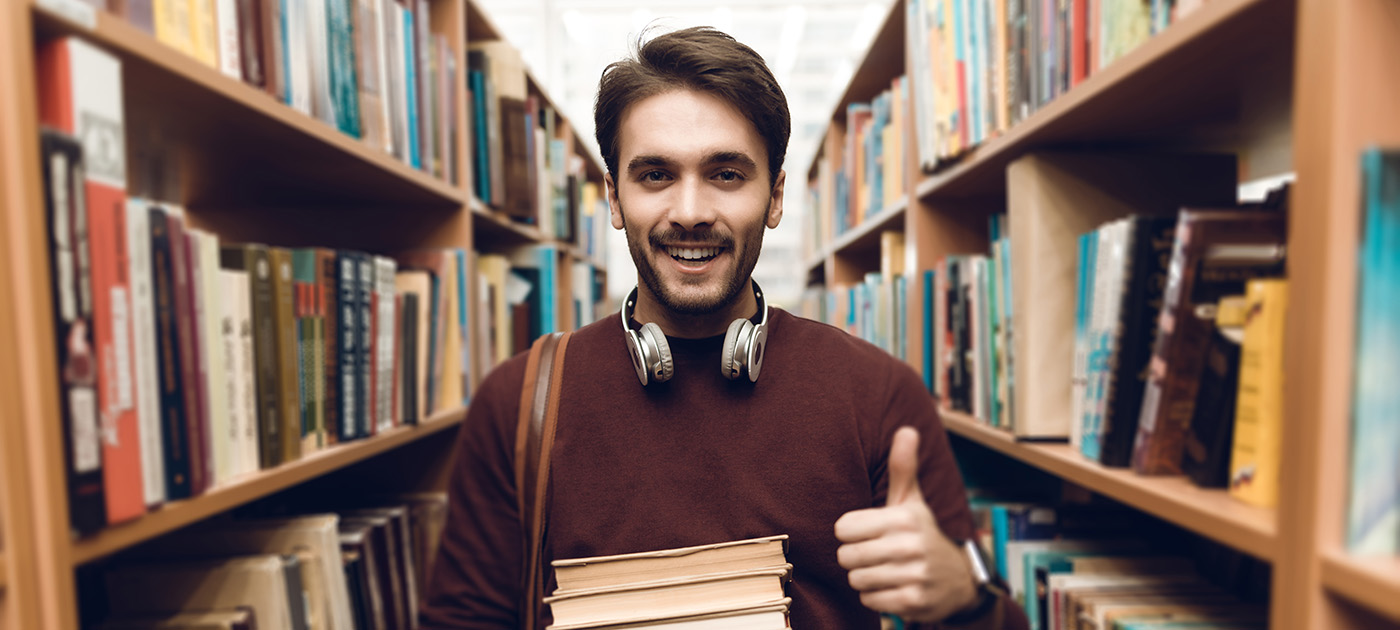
x=742 y=354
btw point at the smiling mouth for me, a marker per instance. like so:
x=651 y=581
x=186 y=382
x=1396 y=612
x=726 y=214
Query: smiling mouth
x=694 y=255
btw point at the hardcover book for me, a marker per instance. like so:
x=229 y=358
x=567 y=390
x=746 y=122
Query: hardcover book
x=1216 y=252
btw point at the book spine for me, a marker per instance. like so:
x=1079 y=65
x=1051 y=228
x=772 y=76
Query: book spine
x=124 y=484
x=327 y=270
x=264 y=317
x=185 y=338
x=364 y=361
x=143 y=341
x=1255 y=455
x=230 y=54
x=67 y=209
x=205 y=31
x=285 y=365
x=215 y=368
x=411 y=90
x=465 y=358
x=348 y=344
x=409 y=382
x=250 y=45
x=231 y=286
x=1205 y=456
x=174 y=424
x=384 y=339
x=251 y=453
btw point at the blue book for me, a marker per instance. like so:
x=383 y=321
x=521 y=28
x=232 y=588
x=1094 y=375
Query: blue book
x=929 y=277
x=481 y=161
x=465 y=358
x=1373 y=513
x=411 y=88
x=549 y=306
x=344 y=80
x=1019 y=521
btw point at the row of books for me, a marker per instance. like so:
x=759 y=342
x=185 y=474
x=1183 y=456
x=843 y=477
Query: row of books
x=861 y=170
x=981 y=66
x=360 y=567
x=185 y=362
x=736 y=584
x=876 y=309
x=523 y=296
x=523 y=154
x=376 y=70
x=1087 y=566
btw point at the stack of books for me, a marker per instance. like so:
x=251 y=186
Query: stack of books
x=735 y=585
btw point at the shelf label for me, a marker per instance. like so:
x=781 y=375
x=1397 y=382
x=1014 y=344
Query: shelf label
x=74 y=11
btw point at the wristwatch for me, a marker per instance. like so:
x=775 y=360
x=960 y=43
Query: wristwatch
x=982 y=578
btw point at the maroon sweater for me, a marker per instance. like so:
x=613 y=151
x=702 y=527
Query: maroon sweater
x=699 y=459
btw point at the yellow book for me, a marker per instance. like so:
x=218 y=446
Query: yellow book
x=204 y=32
x=449 y=389
x=1254 y=459
x=174 y=21
x=891 y=254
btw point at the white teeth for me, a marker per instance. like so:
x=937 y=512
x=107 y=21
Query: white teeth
x=691 y=253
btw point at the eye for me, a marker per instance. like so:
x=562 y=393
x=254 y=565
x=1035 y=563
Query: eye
x=654 y=176
x=729 y=176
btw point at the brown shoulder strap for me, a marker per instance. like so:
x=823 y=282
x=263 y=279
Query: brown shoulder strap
x=534 y=438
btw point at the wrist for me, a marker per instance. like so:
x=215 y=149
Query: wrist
x=980 y=597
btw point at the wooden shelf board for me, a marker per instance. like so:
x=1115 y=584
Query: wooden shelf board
x=1211 y=513
x=495 y=231
x=867 y=234
x=270 y=152
x=1373 y=582
x=263 y=483
x=1172 y=86
x=4 y=571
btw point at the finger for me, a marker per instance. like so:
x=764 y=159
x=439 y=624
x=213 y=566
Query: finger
x=859 y=525
x=886 y=577
x=903 y=468
x=896 y=548
x=905 y=601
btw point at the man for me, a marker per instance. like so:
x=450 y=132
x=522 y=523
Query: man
x=693 y=133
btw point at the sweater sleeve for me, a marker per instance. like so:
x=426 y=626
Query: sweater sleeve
x=475 y=581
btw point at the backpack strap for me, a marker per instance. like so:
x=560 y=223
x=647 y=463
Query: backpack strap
x=539 y=412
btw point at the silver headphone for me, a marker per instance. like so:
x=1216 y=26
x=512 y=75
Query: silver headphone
x=742 y=354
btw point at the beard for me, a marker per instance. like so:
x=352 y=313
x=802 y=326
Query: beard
x=690 y=302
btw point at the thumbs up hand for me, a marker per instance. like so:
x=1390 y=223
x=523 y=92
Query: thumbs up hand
x=897 y=557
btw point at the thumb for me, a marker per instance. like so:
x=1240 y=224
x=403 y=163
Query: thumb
x=903 y=468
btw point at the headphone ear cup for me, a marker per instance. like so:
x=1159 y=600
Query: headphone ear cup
x=730 y=363
x=756 y=345
x=664 y=368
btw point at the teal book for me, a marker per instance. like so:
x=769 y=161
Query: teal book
x=344 y=82
x=411 y=70
x=1373 y=513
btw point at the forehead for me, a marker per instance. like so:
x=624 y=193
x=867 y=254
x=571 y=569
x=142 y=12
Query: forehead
x=685 y=124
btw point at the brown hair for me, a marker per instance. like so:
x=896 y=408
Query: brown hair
x=701 y=59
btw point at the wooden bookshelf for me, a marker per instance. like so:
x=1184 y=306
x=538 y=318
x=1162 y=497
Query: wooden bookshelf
x=247 y=168
x=278 y=153
x=178 y=514
x=1371 y=582
x=1211 y=513
x=1177 y=88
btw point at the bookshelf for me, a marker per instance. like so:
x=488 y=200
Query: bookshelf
x=247 y=168
x=1299 y=86
x=1207 y=512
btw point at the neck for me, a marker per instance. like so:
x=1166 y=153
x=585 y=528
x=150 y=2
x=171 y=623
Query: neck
x=686 y=326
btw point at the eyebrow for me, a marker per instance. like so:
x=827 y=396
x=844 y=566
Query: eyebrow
x=738 y=158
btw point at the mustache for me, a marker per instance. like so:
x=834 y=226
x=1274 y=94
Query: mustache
x=696 y=238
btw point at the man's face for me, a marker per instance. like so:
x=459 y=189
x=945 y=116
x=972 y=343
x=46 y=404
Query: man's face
x=693 y=194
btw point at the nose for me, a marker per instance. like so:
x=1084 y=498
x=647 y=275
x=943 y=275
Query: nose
x=693 y=208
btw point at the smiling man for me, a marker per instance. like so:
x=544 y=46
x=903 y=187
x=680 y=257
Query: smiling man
x=668 y=437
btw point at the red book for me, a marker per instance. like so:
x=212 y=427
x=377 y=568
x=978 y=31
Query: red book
x=1079 y=41
x=80 y=93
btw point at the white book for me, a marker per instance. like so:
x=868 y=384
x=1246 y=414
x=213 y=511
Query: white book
x=398 y=71
x=250 y=445
x=234 y=287
x=318 y=40
x=386 y=326
x=378 y=10
x=230 y=61
x=299 y=68
x=211 y=343
x=143 y=341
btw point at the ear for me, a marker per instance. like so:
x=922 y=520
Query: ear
x=614 y=206
x=775 y=202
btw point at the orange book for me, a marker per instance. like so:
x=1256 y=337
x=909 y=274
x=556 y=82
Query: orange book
x=80 y=93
